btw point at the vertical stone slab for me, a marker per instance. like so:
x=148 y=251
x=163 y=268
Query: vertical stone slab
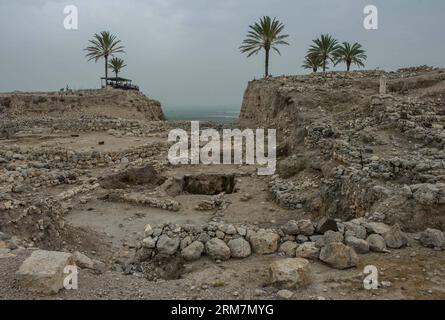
x=383 y=81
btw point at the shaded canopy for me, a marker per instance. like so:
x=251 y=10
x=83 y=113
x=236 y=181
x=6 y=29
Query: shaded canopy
x=116 y=79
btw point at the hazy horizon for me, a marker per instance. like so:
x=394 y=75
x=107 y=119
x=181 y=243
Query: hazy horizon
x=185 y=53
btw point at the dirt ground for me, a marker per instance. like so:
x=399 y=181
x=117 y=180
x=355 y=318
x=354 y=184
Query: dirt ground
x=419 y=277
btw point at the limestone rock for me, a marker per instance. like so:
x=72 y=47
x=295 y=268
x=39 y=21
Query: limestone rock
x=377 y=243
x=264 y=242
x=305 y=227
x=395 y=238
x=328 y=237
x=359 y=245
x=339 y=256
x=288 y=248
x=285 y=294
x=376 y=227
x=355 y=230
x=308 y=250
x=149 y=243
x=432 y=238
x=239 y=248
x=290 y=273
x=217 y=249
x=82 y=261
x=193 y=251
x=43 y=272
x=291 y=228
x=167 y=245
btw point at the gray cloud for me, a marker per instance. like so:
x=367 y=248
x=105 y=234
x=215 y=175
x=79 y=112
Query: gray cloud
x=185 y=52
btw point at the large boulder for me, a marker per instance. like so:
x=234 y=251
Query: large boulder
x=305 y=227
x=377 y=243
x=355 y=230
x=291 y=228
x=339 y=256
x=239 y=248
x=432 y=238
x=218 y=249
x=43 y=271
x=395 y=238
x=376 y=227
x=166 y=245
x=264 y=242
x=301 y=227
x=308 y=250
x=359 y=245
x=328 y=237
x=193 y=251
x=290 y=273
x=288 y=248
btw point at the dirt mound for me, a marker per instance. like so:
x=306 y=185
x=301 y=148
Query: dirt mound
x=109 y=103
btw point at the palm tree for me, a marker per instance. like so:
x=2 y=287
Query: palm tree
x=313 y=62
x=325 y=48
x=351 y=54
x=265 y=35
x=116 y=64
x=103 y=45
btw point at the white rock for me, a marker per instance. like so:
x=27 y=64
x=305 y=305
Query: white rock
x=308 y=250
x=288 y=248
x=193 y=251
x=339 y=256
x=290 y=273
x=285 y=294
x=432 y=238
x=239 y=248
x=264 y=242
x=217 y=249
x=166 y=245
x=43 y=272
x=377 y=243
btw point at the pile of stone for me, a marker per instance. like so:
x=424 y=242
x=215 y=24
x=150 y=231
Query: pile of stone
x=142 y=199
x=285 y=193
x=57 y=157
x=215 y=203
x=335 y=243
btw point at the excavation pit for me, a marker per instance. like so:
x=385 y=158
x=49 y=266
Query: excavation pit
x=209 y=184
x=146 y=176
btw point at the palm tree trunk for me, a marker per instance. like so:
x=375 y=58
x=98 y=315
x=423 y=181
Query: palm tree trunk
x=106 y=71
x=266 y=73
x=348 y=66
x=324 y=65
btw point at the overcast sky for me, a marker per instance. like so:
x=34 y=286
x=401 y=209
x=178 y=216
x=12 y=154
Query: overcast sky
x=185 y=52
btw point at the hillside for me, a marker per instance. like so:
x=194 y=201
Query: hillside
x=31 y=109
x=373 y=155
